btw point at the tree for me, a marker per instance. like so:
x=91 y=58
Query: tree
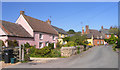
x=66 y=39
x=78 y=38
x=71 y=31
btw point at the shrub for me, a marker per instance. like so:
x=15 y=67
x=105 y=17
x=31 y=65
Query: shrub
x=43 y=51
x=51 y=45
x=54 y=53
x=70 y=43
x=58 y=44
x=78 y=49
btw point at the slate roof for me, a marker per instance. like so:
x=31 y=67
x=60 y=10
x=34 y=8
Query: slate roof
x=105 y=31
x=95 y=34
x=59 y=30
x=40 y=26
x=13 y=29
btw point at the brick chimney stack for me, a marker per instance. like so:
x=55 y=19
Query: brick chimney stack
x=111 y=27
x=87 y=29
x=22 y=12
x=82 y=30
x=48 y=21
x=101 y=27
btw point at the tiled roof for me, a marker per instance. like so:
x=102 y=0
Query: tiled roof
x=13 y=29
x=94 y=33
x=59 y=30
x=105 y=31
x=40 y=26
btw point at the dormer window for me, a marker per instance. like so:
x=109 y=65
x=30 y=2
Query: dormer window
x=101 y=37
x=97 y=37
x=40 y=36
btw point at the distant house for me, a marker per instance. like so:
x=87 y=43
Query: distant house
x=62 y=34
x=29 y=29
x=93 y=36
x=106 y=32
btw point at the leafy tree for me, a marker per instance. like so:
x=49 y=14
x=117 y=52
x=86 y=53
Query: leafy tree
x=112 y=39
x=78 y=38
x=71 y=31
x=66 y=39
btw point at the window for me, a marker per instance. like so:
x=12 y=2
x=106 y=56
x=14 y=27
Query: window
x=101 y=37
x=40 y=44
x=97 y=42
x=53 y=37
x=40 y=36
x=108 y=36
x=101 y=42
x=46 y=44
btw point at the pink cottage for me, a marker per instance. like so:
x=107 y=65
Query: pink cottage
x=29 y=29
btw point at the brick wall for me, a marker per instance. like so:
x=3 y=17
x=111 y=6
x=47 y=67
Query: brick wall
x=98 y=41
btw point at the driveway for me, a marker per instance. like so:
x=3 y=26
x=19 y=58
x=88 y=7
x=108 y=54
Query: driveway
x=96 y=57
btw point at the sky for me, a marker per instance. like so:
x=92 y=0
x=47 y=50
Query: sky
x=66 y=15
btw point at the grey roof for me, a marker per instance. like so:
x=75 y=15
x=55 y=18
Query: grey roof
x=105 y=31
x=95 y=34
x=13 y=29
x=59 y=30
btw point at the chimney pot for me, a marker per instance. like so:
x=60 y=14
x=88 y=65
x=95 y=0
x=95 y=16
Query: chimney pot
x=22 y=12
x=101 y=27
x=48 y=21
x=87 y=29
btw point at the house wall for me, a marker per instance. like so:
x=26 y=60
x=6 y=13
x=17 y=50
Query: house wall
x=106 y=36
x=96 y=40
x=2 y=32
x=22 y=40
x=90 y=40
x=46 y=38
x=21 y=20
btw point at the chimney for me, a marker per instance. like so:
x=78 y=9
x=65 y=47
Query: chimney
x=82 y=30
x=22 y=12
x=101 y=27
x=111 y=27
x=87 y=29
x=48 y=21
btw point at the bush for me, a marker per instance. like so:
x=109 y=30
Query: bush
x=78 y=49
x=54 y=53
x=51 y=45
x=58 y=44
x=70 y=44
x=43 y=51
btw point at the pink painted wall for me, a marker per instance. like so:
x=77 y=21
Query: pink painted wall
x=46 y=37
x=2 y=32
x=25 y=24
x=22 y=40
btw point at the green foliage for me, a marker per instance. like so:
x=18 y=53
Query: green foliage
x=54 y=53
x=27 y=45
x=71 y=31
x=1 y=43
x=51 y=45
x=78 y=49
x=58 y=44
x=111 y=40
x=12 y=43
x=66 y=39
x=78 y=38
x=70 y=43
x=43 y=51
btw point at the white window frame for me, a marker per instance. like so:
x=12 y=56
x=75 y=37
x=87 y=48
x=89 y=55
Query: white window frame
x=98 y=42
x=107 y=36
x=101 y=42
x=41 y=37
x=41 y=45
x=46 y=43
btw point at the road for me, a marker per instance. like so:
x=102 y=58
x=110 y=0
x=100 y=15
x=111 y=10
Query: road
x=96 y=57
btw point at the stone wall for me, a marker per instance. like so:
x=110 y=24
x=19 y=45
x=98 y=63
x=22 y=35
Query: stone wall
x=68 y=51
